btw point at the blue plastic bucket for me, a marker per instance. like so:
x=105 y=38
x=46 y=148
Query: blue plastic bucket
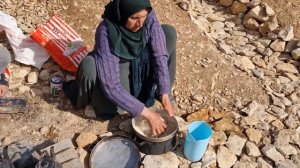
x=196 y=140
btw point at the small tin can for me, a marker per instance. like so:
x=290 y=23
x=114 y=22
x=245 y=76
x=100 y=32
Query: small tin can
x=56 y=85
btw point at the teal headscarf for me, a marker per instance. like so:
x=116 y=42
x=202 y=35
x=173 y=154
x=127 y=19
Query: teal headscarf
x=125 y=44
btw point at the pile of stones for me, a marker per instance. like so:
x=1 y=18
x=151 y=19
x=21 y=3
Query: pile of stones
x=248 y=34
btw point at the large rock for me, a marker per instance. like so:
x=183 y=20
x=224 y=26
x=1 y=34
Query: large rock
x=254 y=3
x=263 y=164
x=250 y=23
x=296 y=54
x=285 y=67
x=218 y=138
x=226 y=3
x=254 y=135
x=245 y=162
x=278 y=45
x=258 y=13
x=271 y=152
x=258 y=61
x=291 y=45
x=209 y=158
x=86 y=139
x=287 y=150
x=252 y=149
x=251 y=108
x=225 y=158
x=244 y=63
x=235 y=144
x=168 y=160
x=269 y=26
x=238 y=7
x=287 y=33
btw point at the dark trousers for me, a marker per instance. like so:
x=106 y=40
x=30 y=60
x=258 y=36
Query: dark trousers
x=90 y=91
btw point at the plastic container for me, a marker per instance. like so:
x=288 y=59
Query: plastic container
x=196 y=140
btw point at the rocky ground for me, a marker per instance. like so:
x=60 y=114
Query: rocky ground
x=237 y=69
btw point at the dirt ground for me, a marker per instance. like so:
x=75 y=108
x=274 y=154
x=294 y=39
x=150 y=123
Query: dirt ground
x=217 y=81
x=288 y=12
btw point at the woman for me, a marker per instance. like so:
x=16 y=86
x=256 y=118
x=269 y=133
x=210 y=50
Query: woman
x=130 y=64
x=4 y=73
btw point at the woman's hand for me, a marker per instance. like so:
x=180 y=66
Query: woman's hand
x=165 y=101
x=155 y=121
x=3 y=90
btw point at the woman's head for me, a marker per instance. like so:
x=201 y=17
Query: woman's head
x=128 y=13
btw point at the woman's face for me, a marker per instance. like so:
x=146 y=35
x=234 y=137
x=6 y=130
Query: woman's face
x=136 y=21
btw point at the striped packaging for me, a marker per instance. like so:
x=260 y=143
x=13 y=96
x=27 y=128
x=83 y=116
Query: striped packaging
x=63 y=44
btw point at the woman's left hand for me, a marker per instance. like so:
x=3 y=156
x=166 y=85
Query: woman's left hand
x=165 y=101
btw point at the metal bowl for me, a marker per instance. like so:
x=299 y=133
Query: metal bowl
x=145 y=133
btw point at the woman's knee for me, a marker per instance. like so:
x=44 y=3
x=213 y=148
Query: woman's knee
x=87 y=68
x=170 y=32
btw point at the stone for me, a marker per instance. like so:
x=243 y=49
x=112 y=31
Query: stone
x=250 y=23
x=6 y=141
x=65 y=154
x=44 y=130
x=226 y=49
x=268 y=10
x=277 y=102
x=225 y=124
x=252 y=149
x=44 y=75
x=32 y=77
x=244 y=1
x=251 y=108
x=83 y=156
x=271 y=152
x=184 y=5
x=21 y=73
x=238 y=7
x=196 y=165
x=218 y=138
x=291 y=45
x=245 y=161
x=278 y=125
x=263 y=164
x=278 y=45
x=258 y=13
x=86 y=139
x=283 y=80
x=287 y=33
x=295 y=97
x=258 y=61
x=23 y=89
x=285 y=67
x=291 y=122
x=254 y=3
x=199 y=115
x=287 y=150
x=226 y=3
x=244 y=63
x=296 y=159
x=209 y=158
x=269 y=26
x=225 y=158
x=214 y=17
x=277 y=112
x=287 y=136
x=286 y=164
x=168 y=160
x=235 y=144
x=254 y=135
x=296 y=54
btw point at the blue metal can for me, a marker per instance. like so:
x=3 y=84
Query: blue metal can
x=56 y=85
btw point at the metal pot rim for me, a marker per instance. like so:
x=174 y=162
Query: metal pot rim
x=155 y=139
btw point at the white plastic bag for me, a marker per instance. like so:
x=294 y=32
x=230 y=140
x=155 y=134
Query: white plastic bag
x=25 y=49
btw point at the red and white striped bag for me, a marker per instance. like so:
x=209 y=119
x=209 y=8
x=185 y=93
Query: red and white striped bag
x=64 y=45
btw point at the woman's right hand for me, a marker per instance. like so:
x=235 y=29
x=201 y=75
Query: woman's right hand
x=155 y=121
